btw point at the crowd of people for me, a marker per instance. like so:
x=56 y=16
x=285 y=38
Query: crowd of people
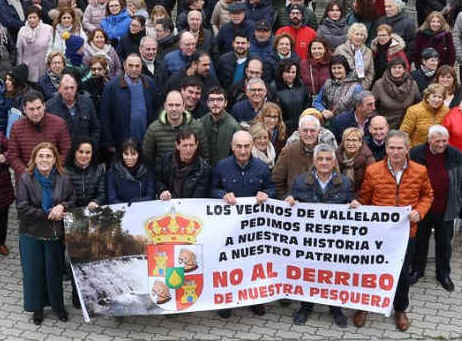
x=111 y=102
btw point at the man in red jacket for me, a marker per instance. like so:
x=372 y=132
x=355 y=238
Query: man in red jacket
x=37 y=126
x=302 y=34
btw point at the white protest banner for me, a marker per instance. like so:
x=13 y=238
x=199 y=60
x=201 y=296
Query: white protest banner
x=203 y=254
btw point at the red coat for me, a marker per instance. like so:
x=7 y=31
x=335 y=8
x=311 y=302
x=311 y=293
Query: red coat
x=314 y=74
x=302 y=37
x=453 y=122
x=25 y=136
x=6 y=188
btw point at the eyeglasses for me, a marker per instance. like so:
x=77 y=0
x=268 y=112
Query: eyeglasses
x=257 y=90
x=352 y=140
x=216 y=99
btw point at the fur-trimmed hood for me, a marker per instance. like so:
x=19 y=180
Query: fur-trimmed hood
x=397 y=44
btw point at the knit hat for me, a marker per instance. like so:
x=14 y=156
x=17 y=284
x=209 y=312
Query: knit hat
x=20 y=73
x=73 y=44
x=430 y=52
x=296 y=7
x=312 y=112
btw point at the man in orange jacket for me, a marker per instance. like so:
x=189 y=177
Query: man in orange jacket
x=397 y=181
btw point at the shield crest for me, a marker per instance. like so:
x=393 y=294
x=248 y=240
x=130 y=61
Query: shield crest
x=175 y=275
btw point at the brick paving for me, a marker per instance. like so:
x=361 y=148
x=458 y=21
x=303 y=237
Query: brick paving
x=435 y=314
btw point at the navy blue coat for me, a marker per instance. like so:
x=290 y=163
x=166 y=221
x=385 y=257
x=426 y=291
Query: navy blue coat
x=115 y=109
x=306 y=188
x=225 y=36
x=262 y=10
x=10 y=18
x=47 y=87
x=123 y=186
x=345 y=120
x=255 y=177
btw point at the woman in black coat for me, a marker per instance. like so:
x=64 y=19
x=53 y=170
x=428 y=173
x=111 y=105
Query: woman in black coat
x=130 y=43
x=291 y=94
x=43 y=195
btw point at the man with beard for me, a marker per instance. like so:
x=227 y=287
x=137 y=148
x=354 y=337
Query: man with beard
x=201 y=67
x=219 y=125
x=231 y=64
x=238 y=23
x=300 y=33
x=183 y=173
x=309 y=18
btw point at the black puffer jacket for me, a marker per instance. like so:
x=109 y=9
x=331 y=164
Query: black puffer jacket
x=292 y=102
x=196 y=183
x=33 y=220
x=89 y=184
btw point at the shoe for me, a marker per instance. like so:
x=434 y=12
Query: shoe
x=340 y=319
x=401 y=320
x=446 y=283
x=224 y=313
x=4 y=250
x=76 y=301
x=37 y=317
x=258 y=309
x=414 y=277
x=63 y=316
x=301 y=315
x=360 y=318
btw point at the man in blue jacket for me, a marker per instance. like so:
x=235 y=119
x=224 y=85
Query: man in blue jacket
x=130 y=103
x=242 y=175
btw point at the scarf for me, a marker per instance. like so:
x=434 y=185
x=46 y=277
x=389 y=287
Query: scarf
x=96 y=51
x=268 y=157
x=359 y=63
x=427 y=72
x=181 y=171
x=347 y=166
x=398 y=89
x=18 y=8
x=46 y=183
x=54 y=78
x=30 y=34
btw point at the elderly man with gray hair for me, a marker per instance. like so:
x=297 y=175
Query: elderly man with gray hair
x=364 y=102
x=444 y=166
x=402 y=24
x=246 y=109
x=322 y=183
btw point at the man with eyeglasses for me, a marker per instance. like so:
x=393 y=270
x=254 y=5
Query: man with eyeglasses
x=246 y=109
x=161 y=134
x=297 y=157
x=219 y=126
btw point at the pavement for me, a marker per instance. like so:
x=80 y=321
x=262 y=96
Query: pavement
x=434 y=313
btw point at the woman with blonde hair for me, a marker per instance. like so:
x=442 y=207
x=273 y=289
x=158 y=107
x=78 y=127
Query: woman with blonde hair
x=158 y=12
x=271 y=117
x=358 y=55
x=66 y=24
x=435 y=32
x=421 y=116
x=49 y=82
x=354 y=156
x=43 y=195
x=262 y=148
